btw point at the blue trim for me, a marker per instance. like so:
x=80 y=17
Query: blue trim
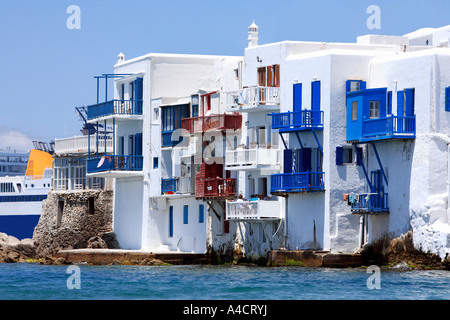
x=19 y=226
x=447 y=99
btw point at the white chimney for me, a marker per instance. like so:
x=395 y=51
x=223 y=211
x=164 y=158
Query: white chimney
x=120 y=58
x=252 y=35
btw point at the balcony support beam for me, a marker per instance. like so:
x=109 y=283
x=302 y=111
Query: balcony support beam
x=317 y=140
x=282 y=139
x=379 y=163
x=363 y=166
x=299 y=141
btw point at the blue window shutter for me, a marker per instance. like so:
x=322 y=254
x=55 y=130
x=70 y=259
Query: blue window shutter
x=348 y=84
x=400 y=103
x=447 y=99
x=201 y=217
x=138 y=89
x=362 y=85
x=359 y=156
x=315 y=95
x=409 y=101
x=185 y=214
x=138 y=142
x=297 y=97
x=287 y=161
x=389 y=103
x=339 y=156
x=170 y=221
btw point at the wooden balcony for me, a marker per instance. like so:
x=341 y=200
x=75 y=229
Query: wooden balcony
x=218 y=122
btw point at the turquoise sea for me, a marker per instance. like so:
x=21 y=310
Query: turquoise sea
x=29 y=281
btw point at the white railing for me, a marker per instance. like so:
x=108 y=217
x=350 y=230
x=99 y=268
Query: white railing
x=80 y=144
x=255 y=157
x=253 y=210
x=254 y=96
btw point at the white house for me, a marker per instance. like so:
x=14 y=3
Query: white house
x=156 y=207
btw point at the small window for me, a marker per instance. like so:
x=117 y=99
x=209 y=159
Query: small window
x=201 y=213
x=347 y=155
x=155 y=163
x=155 y=114
x=185 y=214
x=374 y=109
x=354 y=110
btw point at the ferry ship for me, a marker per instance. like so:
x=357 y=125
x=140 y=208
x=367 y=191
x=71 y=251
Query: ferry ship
x=13 y=163
x=21 y=196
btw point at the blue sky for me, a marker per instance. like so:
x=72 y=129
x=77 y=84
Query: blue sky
x=48 y=69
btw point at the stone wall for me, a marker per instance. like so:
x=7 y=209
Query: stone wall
x=70 y=219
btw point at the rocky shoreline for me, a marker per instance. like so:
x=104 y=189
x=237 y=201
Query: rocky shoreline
x=398 y=253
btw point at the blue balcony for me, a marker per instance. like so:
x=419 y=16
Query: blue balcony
x=115 y=163
x=389 y=127
x=297 y=182
x=178 y=185
x=369 y=203
x=115 y=107
x=297 y=120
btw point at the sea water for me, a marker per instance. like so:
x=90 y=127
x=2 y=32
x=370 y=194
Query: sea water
x=31 y=281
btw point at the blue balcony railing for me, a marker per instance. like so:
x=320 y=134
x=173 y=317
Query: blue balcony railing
x=297 y=182
x=297 y=120
x=114 y=163
x=390 y=126
x=369 y=202
x=113 y=107
x=169 y=185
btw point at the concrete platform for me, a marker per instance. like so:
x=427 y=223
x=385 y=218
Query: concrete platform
x=109 y=256
x=313 y=258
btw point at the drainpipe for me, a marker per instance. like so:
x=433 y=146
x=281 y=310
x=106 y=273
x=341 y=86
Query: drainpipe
x=361 y=231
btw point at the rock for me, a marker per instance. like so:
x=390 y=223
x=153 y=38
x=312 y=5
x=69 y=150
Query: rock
x=111 y=240
x=61 y=261
x=97 y=243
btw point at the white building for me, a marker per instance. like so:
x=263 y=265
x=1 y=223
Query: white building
x=363 y=121
x=156 y=207
x=319 y=123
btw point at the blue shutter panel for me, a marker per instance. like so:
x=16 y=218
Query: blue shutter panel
x=315 y=95
x=201 y=213
x=409 y=93
x=287 y=161
x=339 y=156
x=185 y=214
x=138 y=142
x=348 y=84
x=400 y=103
x=170 y=221
x=447 y=99
x=362 y=85
x=297 y=97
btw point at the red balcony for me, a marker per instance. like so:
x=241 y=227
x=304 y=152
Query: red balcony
x=223 y=188
x=215 y=122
